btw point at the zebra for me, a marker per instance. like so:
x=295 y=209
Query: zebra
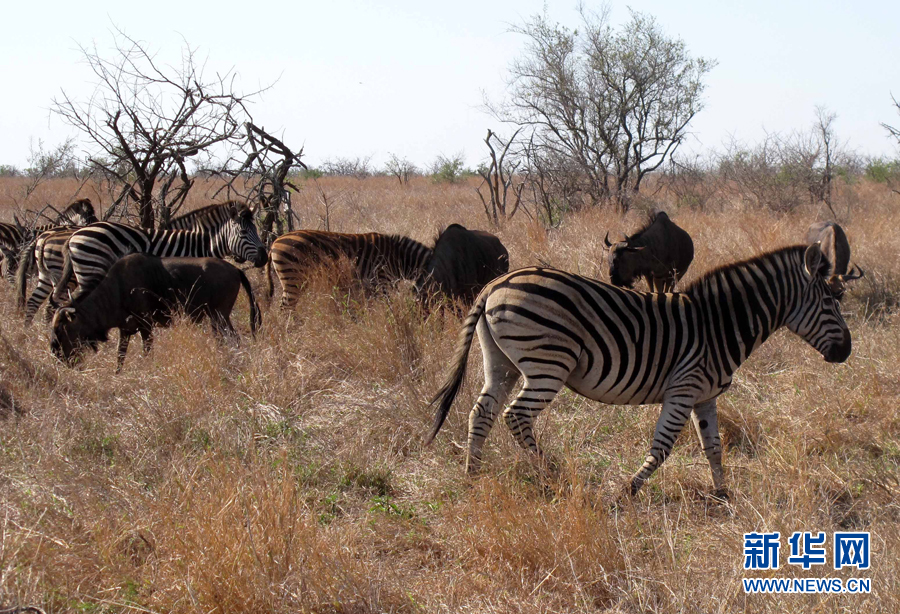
x=49 y=255
x=377 y=258
x=14 y=237
x=225 y=230
x=624 y=347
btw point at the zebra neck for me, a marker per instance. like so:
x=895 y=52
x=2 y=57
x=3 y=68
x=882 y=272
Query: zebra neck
x=185 y=243
x=743 y=305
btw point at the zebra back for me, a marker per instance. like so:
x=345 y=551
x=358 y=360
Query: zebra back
x=377 y=258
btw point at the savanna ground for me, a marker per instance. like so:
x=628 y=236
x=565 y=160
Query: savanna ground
x=288 y=473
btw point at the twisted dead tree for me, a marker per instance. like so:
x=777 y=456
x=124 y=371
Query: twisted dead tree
x=498 y=175
x=263 y=177
x=146 y=119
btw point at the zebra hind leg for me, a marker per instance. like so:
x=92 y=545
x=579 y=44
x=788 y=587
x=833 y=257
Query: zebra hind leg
x=38 y=295
x=706 y=423
x=500 y=376
x=535 y=395
x=671 y=420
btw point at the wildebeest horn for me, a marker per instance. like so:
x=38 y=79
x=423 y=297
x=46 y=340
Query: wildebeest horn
x=855 y=273
x=67 y=313
x=606 y=240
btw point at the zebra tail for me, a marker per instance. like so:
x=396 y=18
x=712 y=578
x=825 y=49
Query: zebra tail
x=57 y=297
x=255 y=316
x=449 y=390
x=26 y=264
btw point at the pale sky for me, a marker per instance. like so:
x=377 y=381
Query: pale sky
x=358 y=78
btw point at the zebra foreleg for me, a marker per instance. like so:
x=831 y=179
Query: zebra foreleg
x=706 y=422
x=671 y=420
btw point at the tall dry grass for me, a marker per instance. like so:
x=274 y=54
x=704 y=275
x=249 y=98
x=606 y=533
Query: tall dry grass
x=287 y=473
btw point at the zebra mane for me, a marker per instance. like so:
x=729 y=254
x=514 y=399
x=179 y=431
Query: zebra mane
x=749 y=263
x=191 y=218
x=403 y=240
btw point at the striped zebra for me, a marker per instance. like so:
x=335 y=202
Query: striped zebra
x=624 y=347
x=225 y=231
x=48 y=252
x=377 y=258
x=14 y=237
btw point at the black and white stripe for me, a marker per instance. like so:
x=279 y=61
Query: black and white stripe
x=624 y=347
x=91 y=250
x=14 y=237
x=377 y=258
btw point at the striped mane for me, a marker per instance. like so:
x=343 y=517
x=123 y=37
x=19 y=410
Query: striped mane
x=749 y=263
x=230 y=208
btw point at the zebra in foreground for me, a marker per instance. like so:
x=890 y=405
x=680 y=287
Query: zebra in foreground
x=48 y=254
x=14 y=237
x=377 y=258
x=226 y=230
x=624 y=347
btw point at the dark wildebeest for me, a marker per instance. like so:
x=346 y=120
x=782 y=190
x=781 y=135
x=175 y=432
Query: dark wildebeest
x=834 y=244
x=140 y=292
x=462 y=263
x=660 y=252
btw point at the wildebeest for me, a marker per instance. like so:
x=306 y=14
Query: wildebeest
x=660 y=252
x=834 y=244
x=463 y=262
x=140 y=292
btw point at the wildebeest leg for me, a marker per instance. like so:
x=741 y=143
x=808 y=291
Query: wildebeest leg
x=147 y=337
x=706 y=422
x=124 y=338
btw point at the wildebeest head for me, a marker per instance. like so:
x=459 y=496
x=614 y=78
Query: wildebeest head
x=817 y=316
x=242 y=239
x=625 y=261
x=71 y=333
x=836 y=248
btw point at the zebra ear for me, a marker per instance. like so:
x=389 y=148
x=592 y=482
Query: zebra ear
x=815 y=262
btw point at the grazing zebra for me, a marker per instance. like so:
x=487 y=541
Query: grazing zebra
x=14 y=237
x=378 y=258
x=225 y=230
x=624 y=347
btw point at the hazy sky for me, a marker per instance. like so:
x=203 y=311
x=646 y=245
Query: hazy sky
x=357 y=78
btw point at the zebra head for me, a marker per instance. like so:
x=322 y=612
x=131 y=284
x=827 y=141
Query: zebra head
x=239 y=238
x=816 y=316
x=80 y=213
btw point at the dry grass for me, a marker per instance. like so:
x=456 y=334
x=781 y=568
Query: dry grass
x=287 y=473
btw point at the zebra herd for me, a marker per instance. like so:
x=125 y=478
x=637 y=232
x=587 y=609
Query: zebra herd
x=551 y=328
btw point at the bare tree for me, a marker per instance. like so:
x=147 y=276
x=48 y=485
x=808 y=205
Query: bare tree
x=359 y=167
x=894 y=132
x=145 y=120
x=264 y=177
x=401 y=168
x=613 y=104
x=499 y=176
